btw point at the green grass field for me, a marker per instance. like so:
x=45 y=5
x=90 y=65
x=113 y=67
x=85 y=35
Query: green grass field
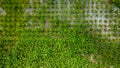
x=54 y=45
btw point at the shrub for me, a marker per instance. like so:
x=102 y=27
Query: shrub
x=116 y=2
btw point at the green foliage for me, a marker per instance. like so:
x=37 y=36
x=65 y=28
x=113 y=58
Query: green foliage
x=116 y=2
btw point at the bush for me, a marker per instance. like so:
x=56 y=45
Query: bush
x=116 y=2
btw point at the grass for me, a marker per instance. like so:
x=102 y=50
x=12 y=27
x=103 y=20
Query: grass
x=58 y=46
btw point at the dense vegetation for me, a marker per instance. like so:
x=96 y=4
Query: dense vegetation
x=60 y=45
x=116 y=2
